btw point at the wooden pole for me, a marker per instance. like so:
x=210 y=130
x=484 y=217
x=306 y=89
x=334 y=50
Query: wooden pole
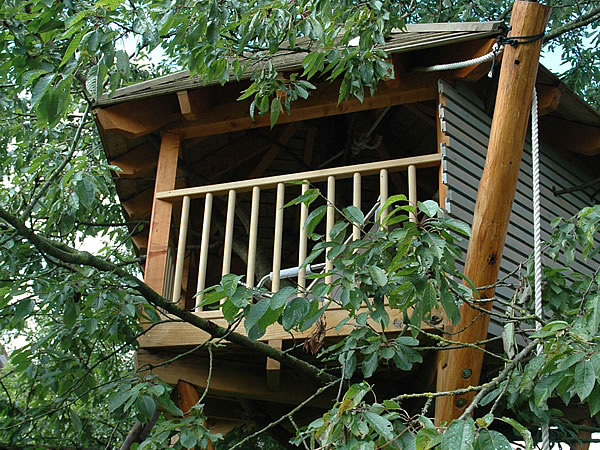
x=494 y=201
x=188 y=397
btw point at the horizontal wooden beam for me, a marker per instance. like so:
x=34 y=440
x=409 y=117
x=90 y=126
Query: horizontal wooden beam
x=232 y=379
x=176 y=334
x=231 y=115
x=571 y=136
x=140 y=117
x=313 y=176
x=136 y=161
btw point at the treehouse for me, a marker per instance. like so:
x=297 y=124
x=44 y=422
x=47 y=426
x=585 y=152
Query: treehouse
x=208 y=184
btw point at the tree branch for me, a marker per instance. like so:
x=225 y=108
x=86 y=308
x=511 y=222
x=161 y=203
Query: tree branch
x=583 y=20
x=72 y=256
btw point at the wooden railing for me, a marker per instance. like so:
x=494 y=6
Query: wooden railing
x=256 y=186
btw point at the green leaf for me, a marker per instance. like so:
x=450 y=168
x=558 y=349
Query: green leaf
x=294 y=312
x=40 y=88
x=525 y=433
x=73 y=45
x=427 y=438
x=167 y=404
x=255 y=312
x=146 y=406
x=381 y=425
x=429 y=207
x=353 y=397
x=460 y=435
x=390 y=201
x=187 y=438
x=492 y=440
x=70 y=313
x=24 y=308
x=594 y=401
x=369 y=364
x=354 y=214
x=485 y=421
x=280 y=298
x=551 y=329
x=122 y=59
x=450 y=307
x=275 y=111
x=118 y=399
x=585 y=378
x=458 y=226
x=378 y=275
x=314 y=218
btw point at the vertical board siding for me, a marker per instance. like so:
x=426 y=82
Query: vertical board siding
x=467 y=128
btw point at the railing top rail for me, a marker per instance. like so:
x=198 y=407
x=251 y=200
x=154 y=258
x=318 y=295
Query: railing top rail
x=392 y=165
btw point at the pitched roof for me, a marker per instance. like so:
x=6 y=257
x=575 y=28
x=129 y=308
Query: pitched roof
x=414 y=37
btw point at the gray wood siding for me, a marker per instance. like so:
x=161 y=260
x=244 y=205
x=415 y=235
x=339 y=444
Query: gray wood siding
x=467 y=127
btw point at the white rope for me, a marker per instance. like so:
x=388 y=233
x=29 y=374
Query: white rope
x=496 y=49
x=537 y=236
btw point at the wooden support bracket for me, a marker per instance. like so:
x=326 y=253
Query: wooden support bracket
x=548 y=99
x=140 y=117
x=274 y=368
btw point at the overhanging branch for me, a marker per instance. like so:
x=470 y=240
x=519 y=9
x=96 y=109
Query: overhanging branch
x=71 y=256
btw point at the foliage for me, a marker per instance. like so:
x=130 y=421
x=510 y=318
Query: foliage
x=71 y=328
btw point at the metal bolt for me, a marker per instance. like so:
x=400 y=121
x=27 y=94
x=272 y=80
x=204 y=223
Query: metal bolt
x=461 y=402
x=466 y=373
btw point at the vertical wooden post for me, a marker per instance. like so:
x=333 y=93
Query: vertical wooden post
x=188 y=397
x=160 y=222
x=494 y=201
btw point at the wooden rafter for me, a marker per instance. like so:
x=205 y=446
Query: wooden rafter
x=138 y=160
x=229 y=379
x=571 y=136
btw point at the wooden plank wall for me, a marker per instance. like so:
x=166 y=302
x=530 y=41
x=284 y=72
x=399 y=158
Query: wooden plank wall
x=467 y=127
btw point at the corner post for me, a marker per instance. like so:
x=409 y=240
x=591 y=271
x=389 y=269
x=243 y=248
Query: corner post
x=495 y=196
x=160 y=222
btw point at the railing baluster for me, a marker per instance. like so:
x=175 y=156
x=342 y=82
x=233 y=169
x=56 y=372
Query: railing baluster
x=208 y=200
x=356 y=201
x=412 y=189
x=252 y=237
x=330 y=223
x=183 y=227
x=302 y=243
x=273 y=366
x=228 y=233
x=278 y=237
x=383 y=192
